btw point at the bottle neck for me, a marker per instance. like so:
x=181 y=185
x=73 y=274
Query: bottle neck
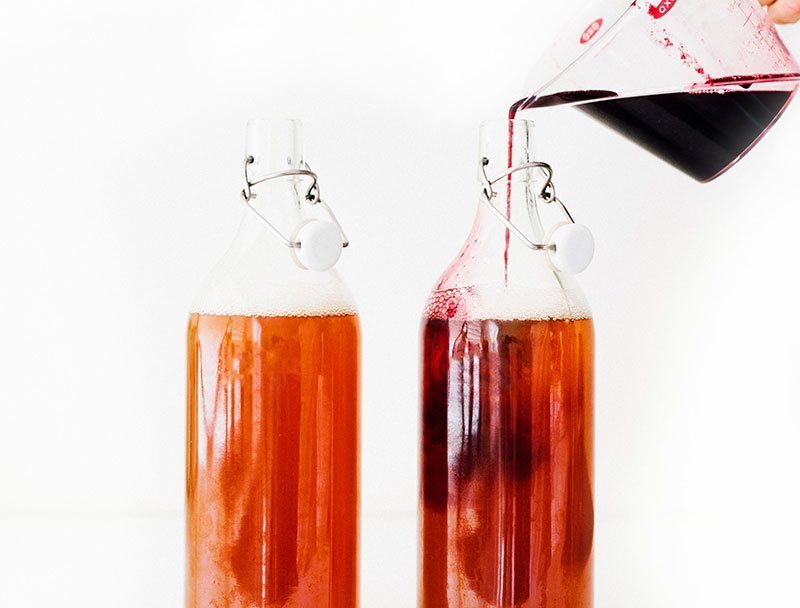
x=274 y=146
x=505 y=145
x=259 y=274
x=496 y=275
x=281 y=205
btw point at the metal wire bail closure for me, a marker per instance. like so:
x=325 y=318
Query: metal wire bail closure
x=322 y=249
x=570 y=246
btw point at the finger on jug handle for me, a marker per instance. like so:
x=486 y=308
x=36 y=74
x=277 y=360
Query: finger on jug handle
x=785 y=11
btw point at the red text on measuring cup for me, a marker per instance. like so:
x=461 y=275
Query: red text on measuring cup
x=591 y=31
x=662 y=8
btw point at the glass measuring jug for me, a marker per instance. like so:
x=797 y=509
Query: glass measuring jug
x=696 y=83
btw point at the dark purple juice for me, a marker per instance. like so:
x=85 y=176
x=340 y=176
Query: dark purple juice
x=701 y=133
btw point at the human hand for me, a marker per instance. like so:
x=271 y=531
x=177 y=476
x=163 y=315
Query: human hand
x=783 y=11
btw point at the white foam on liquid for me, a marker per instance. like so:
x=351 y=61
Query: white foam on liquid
x=503 y=303
x=228 y=296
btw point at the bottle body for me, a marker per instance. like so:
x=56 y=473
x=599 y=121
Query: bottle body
x=272 y=470
x=272 y=444
x=506 y=497
x=507 y=461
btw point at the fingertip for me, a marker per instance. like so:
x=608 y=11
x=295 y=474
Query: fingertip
x=784 y=20
x=784 y=12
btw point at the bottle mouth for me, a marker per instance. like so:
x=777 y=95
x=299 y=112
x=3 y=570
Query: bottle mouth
x=275 y=144
x=274 y=122
x=506 y=143
x=507 y=123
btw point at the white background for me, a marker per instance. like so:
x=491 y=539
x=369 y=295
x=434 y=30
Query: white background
x=121 y=139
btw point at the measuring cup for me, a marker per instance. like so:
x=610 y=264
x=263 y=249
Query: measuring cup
x=696 y=82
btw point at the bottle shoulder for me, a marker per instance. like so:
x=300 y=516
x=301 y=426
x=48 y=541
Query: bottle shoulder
x=507 y=302
x=494 y=276
x=472 y=289
x=271 y=286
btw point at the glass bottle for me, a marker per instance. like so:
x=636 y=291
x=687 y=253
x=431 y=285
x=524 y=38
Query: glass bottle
x=506 y=496
x=273 y=411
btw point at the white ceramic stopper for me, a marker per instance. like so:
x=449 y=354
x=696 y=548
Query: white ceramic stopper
x=320 y=245
x=574 y=245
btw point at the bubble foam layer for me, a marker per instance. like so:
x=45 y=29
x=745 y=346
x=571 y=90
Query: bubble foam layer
x=506 y=304
x=261 y=300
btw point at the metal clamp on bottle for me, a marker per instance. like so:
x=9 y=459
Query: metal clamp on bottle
x=569 y=246
x=317 y=244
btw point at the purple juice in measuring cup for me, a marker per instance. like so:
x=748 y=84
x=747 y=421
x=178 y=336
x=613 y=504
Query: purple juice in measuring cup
x=696 y=83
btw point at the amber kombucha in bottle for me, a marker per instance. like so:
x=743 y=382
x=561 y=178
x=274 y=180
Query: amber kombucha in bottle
x=272 y=417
